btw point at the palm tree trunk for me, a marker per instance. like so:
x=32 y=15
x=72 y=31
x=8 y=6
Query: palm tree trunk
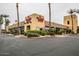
x=18 y=17
x=72 y=22
x=49 y=15
x=0 y=29
x=5 y=24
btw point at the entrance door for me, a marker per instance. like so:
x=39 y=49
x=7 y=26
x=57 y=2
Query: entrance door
x=28 y=27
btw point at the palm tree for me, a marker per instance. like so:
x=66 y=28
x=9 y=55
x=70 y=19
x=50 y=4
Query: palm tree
x=17 y=8
x=5 y=16
x=1 y=21
x=7 y=23
x=49 y=5
x=71 y=12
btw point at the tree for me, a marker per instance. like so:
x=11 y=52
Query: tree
x=1 y=21
x=5 y=16
x=7 y=23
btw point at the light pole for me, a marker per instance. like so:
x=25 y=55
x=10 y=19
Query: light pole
x=17 y=8
x=49 y=4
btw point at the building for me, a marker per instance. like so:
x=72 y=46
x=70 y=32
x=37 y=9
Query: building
x=71 y=22
x=34 y=22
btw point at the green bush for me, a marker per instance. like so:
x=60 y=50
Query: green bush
x=68 y=31
x=61 y=31
x=25 y=34
x=40 y=32
x=52 y=31
x=32 y=35
x=43 y=32
x=33 y=31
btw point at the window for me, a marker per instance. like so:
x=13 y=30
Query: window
x=67 y=22
x=28 y=27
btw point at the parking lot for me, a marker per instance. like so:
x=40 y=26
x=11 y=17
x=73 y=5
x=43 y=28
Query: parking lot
x=44 y=46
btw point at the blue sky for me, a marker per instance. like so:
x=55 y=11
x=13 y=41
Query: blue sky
x=58 y=10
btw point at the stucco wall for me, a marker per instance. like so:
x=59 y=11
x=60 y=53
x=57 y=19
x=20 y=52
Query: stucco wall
x=75 y=22
x=34 y=23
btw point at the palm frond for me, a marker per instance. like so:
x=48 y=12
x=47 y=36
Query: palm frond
x=77 y=10
x=71 y=11
x=5 y=16
x=1 y=19
x=7 y=22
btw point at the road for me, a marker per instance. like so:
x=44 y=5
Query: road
x=48 y=46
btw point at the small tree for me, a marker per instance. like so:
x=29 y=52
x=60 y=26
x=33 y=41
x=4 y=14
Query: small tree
x=7 y=22
x=1 y=22
x=5 y=16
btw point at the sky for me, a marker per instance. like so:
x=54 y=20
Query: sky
x=58 y=10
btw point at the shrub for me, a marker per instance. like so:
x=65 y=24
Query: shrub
x=62 y=31
x=43 y=32
x=25 y=34
x=52 y=31
x=59 y=32
x=33 y=31
x=32 y=34
x=68 y=31
x=40 y=32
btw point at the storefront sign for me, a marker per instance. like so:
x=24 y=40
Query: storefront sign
x=28 y=19
x=40 y=18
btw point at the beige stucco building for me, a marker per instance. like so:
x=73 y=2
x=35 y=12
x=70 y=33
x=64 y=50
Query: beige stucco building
x=71 y=22
x=35 y=22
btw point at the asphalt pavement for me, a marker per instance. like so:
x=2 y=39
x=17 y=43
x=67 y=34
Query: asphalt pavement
x=45 y=46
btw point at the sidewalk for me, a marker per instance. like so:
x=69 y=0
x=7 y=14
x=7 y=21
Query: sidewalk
x=62 y=35
x=46 y=36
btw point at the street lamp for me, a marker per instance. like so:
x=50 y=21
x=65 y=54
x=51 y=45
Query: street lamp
x=17 y=8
